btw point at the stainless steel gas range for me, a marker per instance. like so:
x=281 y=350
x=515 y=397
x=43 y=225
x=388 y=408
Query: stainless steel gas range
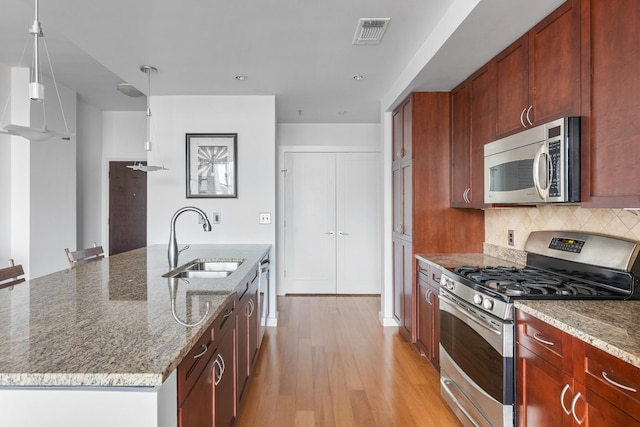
x=477 y=331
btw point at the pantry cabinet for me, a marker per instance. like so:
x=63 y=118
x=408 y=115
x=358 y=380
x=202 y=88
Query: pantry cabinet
x=421 y=197
x=538 y=77
x=564 y=381
x=611 y=129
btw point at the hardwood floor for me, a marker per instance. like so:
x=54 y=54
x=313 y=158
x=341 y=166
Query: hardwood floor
x=331 y=363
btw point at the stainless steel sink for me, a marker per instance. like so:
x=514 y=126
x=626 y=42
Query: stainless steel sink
x=216 y=266
x=205 y=269
x=201 y=274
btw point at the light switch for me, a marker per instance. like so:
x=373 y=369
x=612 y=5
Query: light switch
x=215 y=218
x=265 y=218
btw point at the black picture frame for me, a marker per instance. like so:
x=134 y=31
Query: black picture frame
x=212 y=165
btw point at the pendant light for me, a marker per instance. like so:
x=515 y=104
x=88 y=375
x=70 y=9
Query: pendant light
x=36 y=92
x=147 y=69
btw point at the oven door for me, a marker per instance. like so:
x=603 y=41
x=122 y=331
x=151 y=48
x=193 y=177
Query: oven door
x=476 y=359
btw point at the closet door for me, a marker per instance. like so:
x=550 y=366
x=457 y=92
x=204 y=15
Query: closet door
x=358 y=219
x=310 y=227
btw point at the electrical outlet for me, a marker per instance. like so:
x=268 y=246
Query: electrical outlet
x=510 y=238
x=215 y=218
x=265 y=218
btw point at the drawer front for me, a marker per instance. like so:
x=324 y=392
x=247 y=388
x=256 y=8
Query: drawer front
x=614 y=379
x=546 y=341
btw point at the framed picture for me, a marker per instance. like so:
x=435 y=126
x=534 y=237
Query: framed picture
x=212 y=166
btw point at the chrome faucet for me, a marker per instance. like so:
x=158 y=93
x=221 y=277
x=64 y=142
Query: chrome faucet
x=172 y=250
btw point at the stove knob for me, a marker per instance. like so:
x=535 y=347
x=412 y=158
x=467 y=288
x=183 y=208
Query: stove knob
x=487 y=304
x=477 y=299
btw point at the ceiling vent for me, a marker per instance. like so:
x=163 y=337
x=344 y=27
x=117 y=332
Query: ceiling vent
x=370 y=30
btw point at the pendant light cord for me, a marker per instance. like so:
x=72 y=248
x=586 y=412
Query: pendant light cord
x=55 y=85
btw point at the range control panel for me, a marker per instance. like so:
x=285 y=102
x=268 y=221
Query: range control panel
x=566 y=245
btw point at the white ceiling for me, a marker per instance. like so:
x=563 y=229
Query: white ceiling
x=301 y=51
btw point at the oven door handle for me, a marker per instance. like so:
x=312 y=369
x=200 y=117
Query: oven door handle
x=446 y=386
x=470 y=317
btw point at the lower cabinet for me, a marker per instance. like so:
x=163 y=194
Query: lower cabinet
x=428 y=312
x=214 y=375
x=563 y=381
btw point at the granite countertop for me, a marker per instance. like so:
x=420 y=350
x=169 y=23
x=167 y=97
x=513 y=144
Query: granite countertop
x=611 y=326
x=109 y=322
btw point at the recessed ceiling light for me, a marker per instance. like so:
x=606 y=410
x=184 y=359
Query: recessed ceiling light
x=342 y=113
x=359 y=77
x=241 y=77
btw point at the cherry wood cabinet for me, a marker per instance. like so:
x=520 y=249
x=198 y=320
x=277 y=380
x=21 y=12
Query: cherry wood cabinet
x=247 y=324
x=538 y=77
x=563 y=381
x=472 y=122
x=421 y=196
x=428 y=313
x=611 y=130
x=200 y=391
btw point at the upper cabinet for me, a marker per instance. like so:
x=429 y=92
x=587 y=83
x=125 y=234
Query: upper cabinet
x=611 y=129
x=538 y=78
x=472 y=119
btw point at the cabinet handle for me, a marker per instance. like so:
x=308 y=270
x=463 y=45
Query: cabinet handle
x=427 y=296
x=573 y=409
x=542 y=340
x=252 y=307
x=564 y=391
x=342 y=233
x=465 y=195
x=202 y=353
x=330 y=233
x=529 y=118
x=617 y=384
x=435 y=279
x=220 y=370
x=522 y=117
x=228 y=312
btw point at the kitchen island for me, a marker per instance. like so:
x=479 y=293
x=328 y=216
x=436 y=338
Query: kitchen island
x=99 y=344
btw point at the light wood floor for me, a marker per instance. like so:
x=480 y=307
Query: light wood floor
x=331 y=363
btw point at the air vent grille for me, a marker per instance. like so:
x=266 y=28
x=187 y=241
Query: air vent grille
x=370 y=30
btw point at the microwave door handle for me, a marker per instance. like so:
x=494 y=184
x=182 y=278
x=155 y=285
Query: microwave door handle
x=542 y=192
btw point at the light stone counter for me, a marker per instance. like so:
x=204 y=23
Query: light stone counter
x=109 y=323
x=612 y=326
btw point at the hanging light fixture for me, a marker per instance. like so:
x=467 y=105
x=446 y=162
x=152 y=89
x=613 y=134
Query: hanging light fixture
x=147 y=69
x=36 y=91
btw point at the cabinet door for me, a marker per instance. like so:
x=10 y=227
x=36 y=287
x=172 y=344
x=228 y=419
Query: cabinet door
x=540 y=389
x=224 y=381
x=397 y=134
x=512 y=87
x=482 y=130
x=613 y=129
x=197 y=409
x=407 y=290
x=398 y=195
x=242 y=332
x=603 y=413
x=407 y=133
x=398 y=274
x=407 y=199
x=554 y=64
x=427 y=335
x=460 y=146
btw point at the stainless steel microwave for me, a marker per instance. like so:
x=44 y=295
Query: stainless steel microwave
x=538 y=165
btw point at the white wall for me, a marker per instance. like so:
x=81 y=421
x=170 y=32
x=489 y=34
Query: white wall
x=5 y=169
x=89 y=176
x=253 y=119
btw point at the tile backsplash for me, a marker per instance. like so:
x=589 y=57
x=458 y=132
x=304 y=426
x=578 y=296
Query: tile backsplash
x=523 y=220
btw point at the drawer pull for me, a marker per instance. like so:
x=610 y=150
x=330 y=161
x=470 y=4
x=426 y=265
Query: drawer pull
x=617 y=384
x=202 y=353
x=564 y=391
x=228 y=312
x=573 y=409
x=542 y=340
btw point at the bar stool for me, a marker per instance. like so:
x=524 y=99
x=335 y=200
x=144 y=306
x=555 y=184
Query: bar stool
x=83 y=256
x=9 y=276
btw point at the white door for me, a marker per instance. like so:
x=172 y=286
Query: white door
x=332 y=223
x=310 y=223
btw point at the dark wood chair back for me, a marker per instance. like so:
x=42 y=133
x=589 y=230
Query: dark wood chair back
x=83 y=256
x=10 y=276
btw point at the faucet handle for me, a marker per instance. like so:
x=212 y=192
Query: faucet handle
x=183 y=249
